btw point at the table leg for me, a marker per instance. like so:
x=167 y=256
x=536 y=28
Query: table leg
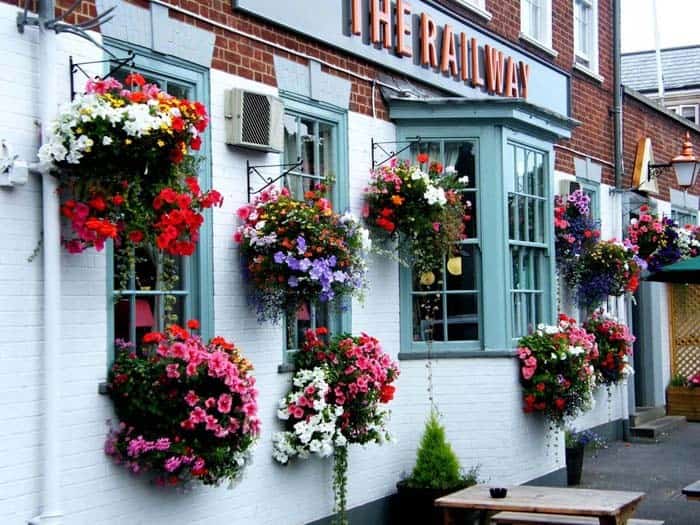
x=446 y=518
x=620 y=519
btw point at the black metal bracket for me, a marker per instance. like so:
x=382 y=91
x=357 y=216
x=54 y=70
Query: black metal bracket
x=267 y=180
x=119 y=63
x=654 y=170
x=389 y=153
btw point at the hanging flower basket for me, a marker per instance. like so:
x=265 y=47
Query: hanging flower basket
x=187 y=410
x=124 y=168
x=575 y=231
x=300 y=252
x=614 y=342
x=555 y=370
x=609 y=268
x=423 y=211
x=337 y=398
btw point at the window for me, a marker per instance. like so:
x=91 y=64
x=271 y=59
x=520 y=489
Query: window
x=314 y=135
x=536 y=21
x=586 y=34
x=684 y=216
x=689 y=112
x=144 y=302
x=445 y=306
x=528 y=239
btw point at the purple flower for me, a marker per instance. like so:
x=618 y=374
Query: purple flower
x=279 y=257
x=304 y=264
x=301 y=245
x=292 y=263
x=339 y=277
x=293 y=282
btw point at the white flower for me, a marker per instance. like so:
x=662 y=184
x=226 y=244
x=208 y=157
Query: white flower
x=551 y=330
x=435 y=195
x=106 y=140
x=463 y=180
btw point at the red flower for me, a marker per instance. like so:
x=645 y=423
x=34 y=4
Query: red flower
x=153 y=337
x=134 y=79
x=136 y=236
x=422 y=158
x=98 y=203
x=196 y=143
x=193 y=185
x=540 y=387
x=193 y=324
x=321 y=330
x=137 y=97
x=387 y=393
x=178 y=124
x=560 y=403
x=118 y=200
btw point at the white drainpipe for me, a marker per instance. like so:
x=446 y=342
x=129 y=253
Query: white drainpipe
x=50 y=510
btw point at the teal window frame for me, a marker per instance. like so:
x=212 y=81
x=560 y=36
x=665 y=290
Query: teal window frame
x=199 y=271
x=305 y=107
x=684 y=216
x=406 y=291
x=537 y=274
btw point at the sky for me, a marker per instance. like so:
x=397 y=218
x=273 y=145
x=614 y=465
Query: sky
x=679 y=24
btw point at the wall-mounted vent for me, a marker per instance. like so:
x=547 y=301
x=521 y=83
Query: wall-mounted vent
x=254 y=120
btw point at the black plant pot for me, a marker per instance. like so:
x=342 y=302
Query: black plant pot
x=574 y=465
x=417 y=505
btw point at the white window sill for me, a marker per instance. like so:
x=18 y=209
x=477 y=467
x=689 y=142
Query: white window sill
x=483 y=13
x=544 y=47
x=583 y=69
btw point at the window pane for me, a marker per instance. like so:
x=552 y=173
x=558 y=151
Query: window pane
x=428 y=282
x=462 y=270
x=462 y=317
x=307 y=316
x=427 y=318
x=459 y=156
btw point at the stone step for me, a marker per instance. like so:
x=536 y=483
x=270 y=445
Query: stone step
x=658 y=428
x=644 y=415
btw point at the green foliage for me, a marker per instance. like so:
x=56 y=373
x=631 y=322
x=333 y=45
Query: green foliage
x=437 y=465
x=678 y=380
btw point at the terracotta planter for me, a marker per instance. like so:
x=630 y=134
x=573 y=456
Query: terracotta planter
x=681 y=401
x=417 y=506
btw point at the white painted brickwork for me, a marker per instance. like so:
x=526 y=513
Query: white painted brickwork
x=480 y=398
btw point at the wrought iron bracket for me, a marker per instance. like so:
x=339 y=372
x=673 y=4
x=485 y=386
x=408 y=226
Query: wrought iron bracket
x=119 y=63
x=388 y=152
x=259 y=182
x=59 y=25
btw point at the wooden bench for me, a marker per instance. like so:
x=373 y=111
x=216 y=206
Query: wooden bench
x=692 y=491
x=526 y=518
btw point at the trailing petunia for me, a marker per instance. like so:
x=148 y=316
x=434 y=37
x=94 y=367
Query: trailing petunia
x=657 y=239
x=614 y=342
x=187 y=410
x=125 y=169
x=555 y=370
x=337 y=398
x=298 y=252
x=424 y=211
x=575 y=231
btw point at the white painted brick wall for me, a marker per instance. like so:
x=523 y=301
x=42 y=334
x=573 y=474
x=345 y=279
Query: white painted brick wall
x=480 y=398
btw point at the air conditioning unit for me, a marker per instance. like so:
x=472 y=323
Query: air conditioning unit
x=254 y=120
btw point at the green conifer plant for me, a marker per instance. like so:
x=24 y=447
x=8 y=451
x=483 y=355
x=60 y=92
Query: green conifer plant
x=437 y=465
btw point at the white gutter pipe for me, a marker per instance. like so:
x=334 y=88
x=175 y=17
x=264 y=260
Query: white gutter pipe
x=50 y=510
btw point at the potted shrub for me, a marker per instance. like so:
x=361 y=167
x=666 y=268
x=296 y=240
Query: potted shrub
x=576 y=444
x=683 y=397
x=437 y=473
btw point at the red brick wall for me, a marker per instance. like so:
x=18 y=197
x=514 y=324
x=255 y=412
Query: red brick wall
x=641 y=121
x=591 y=100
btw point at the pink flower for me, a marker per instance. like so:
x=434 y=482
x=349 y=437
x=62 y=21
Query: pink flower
x=524 y=353
x=191 y=398
x=172 y=463
x=211 y=423
x=224 y=404
x=436 y=226
x=250 y=409
x=162 y=444
x=531 y=362
x=244 y=212
x=296 y=411
x=238 y=237
x=198 y=415
x=171 y=371
x=210 y=402
x=528 y=372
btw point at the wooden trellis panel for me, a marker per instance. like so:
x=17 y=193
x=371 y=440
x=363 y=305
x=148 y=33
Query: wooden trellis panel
x=685 y=328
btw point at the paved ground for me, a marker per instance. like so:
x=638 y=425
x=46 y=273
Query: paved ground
x=660 y=470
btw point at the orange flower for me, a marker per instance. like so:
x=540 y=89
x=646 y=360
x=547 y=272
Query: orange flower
x=397 y=200
x=422 y=158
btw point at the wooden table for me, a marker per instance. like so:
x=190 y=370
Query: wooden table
x=692 y=491
x=610 y=507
